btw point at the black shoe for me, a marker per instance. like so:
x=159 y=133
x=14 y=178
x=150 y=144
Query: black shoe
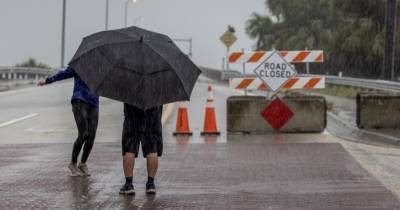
x=150 y=188
x=127 y=189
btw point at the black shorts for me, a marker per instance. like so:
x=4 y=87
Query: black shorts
x=142 y=127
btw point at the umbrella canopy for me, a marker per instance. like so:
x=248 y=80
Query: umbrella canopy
x=136 y=66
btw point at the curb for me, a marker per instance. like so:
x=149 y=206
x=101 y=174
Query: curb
x=342 y=129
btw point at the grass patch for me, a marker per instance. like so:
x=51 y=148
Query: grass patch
x=341 y=91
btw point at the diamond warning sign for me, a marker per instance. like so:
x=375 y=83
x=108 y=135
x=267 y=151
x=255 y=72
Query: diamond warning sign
x=275 y=71
x=228 y=38
x=277 y=114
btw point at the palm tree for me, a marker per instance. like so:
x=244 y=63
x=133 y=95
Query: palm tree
x=259 y=28
x=349 y=31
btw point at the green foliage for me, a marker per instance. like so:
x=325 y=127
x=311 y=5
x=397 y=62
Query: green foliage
x=351 y=32
x=341 y=91
x=31 y=62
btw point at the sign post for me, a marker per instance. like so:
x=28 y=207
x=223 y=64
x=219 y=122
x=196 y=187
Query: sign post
x=228 y=39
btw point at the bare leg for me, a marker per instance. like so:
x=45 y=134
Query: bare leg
x=128 y=162
x=152 y=164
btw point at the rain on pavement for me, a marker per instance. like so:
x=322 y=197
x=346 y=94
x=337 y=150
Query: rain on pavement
x=277 y=171
x=344 y=41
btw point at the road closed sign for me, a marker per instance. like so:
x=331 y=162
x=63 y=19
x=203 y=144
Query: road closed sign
x=275 y=71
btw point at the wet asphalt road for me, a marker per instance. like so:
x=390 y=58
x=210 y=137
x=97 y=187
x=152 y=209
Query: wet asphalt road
x=297 y=171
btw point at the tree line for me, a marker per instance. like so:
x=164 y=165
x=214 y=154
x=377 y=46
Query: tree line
x=351 y=33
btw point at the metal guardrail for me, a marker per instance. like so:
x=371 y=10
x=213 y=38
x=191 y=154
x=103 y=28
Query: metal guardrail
x=211 y=73
x=25 y=70
x=364 y=83
x=226 y=75
x=335 y=80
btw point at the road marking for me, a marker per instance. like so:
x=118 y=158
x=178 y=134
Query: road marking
x=167 y=113
x=21 y=90
x=18 y=120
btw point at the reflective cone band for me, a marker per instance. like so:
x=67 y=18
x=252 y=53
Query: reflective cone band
x=210 y=122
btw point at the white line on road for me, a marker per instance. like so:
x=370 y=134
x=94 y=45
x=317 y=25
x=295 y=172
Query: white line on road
x=18 y=120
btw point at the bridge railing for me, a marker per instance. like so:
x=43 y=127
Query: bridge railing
x=26 y=70
x=23 y=73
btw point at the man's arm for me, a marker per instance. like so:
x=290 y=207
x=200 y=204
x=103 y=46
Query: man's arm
x=61 y=75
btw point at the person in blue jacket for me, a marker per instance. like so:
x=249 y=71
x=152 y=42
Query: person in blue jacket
x=85 y=107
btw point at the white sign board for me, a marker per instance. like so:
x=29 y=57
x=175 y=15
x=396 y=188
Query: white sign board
x=275 y=71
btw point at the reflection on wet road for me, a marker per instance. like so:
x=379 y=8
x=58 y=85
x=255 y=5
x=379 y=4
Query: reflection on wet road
x=277 y=171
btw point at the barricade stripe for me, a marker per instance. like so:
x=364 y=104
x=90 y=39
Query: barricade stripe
x=289 y=84
x=245 y=83
x=312 y=57
x=320 y=58
x=256 y=57
x=235 y=57
x=263 y=86
x=316 y=56
x=311 y=84
x=284 y=53
x=293 y=83
x=300 y=84
x=300 y=56
x=291 y=55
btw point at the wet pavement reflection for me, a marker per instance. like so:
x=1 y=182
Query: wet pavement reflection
x=274 y=171
x=256 y=175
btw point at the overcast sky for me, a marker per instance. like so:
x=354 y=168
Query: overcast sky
x=32 y=28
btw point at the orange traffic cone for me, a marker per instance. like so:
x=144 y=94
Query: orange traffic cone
x=182 y=121
x=210 y=122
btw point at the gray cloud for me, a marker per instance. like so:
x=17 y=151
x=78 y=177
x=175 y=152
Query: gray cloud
x=32 y=28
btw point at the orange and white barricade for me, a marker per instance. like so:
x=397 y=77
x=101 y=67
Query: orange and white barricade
x=293 y=83
x=304 y=56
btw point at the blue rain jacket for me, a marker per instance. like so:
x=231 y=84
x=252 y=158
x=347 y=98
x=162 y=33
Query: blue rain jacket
x=81 y=90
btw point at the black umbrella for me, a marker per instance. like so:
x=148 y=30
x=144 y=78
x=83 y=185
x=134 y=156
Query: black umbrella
x=136 y=66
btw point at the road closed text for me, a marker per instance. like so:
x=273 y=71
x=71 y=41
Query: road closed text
x=275 y=70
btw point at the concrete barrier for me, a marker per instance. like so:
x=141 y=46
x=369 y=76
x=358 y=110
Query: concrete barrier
x=244 y=114
x=378 y=111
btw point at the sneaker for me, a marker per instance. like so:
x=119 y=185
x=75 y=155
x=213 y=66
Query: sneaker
x=84 y=169
x=150 y=188
x=127 y=189
x=74 y=170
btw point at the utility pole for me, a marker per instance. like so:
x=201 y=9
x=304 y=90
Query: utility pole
x=107 y=9
x=390 y=37
x=63 y=33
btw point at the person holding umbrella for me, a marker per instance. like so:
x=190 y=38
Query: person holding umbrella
x=85 y=107
x=141 y=127
x=145 y=70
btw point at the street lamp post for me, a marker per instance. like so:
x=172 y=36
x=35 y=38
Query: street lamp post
x=63 y=32
x=126 y=10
